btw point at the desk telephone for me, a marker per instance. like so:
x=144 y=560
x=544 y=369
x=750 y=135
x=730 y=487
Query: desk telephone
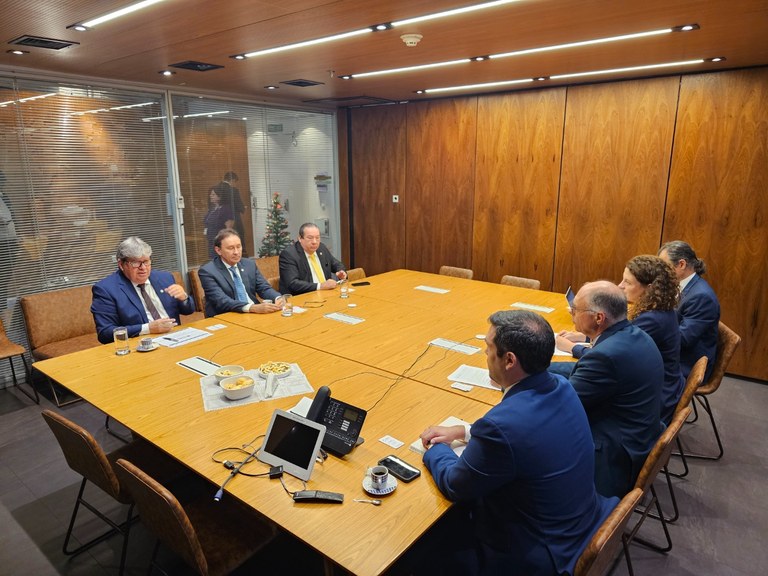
x=343 y=421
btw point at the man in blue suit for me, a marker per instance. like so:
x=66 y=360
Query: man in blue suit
x=231 y=283
x=143 y=300
x=527 y=472
x=619 y=383
x=698 y=310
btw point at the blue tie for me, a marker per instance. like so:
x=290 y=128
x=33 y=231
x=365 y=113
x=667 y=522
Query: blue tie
x=239 y=287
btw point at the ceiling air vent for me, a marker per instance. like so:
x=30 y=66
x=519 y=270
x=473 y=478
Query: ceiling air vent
x=353 y=101
x=196 y=66
x=302 y=83
x=40 y=42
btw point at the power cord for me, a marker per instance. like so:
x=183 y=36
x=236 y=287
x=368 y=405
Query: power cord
x=236 y=467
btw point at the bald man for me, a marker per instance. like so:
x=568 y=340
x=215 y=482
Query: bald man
x=619 y=383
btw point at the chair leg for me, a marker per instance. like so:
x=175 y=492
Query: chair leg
x=28 y=376
x=695 y=414
x=647 y=543
x=681 y=453
x=113 y=433
x=672 y=497
x=625 y=545
x=708 y=408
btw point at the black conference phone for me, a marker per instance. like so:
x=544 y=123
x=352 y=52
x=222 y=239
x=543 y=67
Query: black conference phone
x=343 y=421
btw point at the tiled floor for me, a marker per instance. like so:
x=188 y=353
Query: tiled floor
x=722 y=529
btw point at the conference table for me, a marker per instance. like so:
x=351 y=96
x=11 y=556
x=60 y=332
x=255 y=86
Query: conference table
x=363 y=364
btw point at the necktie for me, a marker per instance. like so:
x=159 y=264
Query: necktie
x=148 y=301
x=317 y=268
x=239 y=286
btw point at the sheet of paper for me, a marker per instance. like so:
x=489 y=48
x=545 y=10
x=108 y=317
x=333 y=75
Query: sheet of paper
x=432 y=289
x=181 y=337
x=472 y=375
x=534 y=307
x=455 y=346
x=391 y=442
x=346 y=318
x=199 y=365
x=457 y=446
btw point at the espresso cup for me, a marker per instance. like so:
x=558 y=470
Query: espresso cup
x=379 y=477
x=146 y=343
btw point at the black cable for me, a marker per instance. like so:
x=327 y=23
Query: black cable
x=288 y=491
x=237 y=469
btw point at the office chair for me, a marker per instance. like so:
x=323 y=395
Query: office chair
x=692 y=383
x=10 y=350
x=456 y=272
x=520 y=282
x=355 y=274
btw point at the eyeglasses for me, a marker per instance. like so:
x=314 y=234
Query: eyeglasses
x=573 y=310
x=139 y=263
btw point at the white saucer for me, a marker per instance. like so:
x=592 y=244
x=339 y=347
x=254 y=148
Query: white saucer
x=153 y=347
x=388 y=489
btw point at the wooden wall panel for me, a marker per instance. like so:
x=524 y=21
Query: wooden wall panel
x=519 y=140
x=616 y=153
x=717 y=199
x=342 y=126
x=440 y=183
x=378 y=172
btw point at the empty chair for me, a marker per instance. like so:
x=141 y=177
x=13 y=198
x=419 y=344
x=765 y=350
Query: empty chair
x=212 y=537
x=727 y=342
x=601 y=551
x=10 y=350
x=520 y=282
x=85 y=456
x=355 y=274
x=197 y=289
x=456 y=272
x=656 y=462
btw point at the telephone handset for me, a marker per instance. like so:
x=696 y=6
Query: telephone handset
x=343 y=421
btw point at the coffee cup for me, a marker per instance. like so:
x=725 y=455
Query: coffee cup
x=146 y=343
x=379 y=476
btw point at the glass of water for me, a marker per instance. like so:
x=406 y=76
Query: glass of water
x=120 y=336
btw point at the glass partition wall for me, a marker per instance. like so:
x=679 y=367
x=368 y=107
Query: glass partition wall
x=83 y=167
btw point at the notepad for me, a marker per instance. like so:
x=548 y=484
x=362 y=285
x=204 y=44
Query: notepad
x=534 y=307
x=455 y=346
x=432 y=289
x=472 y=375
x=345 y=318
x=457 y=445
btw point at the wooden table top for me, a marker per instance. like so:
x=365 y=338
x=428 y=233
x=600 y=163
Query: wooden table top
x=400 y=321
x=162 y=402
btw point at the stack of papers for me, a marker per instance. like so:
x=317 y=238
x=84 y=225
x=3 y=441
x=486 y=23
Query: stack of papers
x=181 y=337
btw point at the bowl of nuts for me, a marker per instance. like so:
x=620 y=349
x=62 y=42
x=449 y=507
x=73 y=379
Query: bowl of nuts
x=237 y=387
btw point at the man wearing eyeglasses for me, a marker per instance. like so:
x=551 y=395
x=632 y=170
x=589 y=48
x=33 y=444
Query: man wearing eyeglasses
x=143 y=300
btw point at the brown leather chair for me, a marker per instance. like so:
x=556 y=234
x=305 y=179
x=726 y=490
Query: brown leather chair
x=86 y=457
x=355 y=274
x=212 y=537
x=657 y=462
x=692 y=383
x=520 y=282
x=599 y=555
x=456 y=272
x=10 y=350
x=197 y=289
x=727 y=343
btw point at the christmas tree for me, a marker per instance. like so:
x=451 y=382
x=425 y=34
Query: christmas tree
x=276 y=236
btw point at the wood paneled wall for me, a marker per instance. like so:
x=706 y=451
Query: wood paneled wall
x=440 y=178
x=717 y=197
x=616 y=150
x=565 y=185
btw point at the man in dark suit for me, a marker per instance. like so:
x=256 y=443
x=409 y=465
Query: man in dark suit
x=698 y=310
x=308 y=265
x=231 y=283
x=619 y=383
x=527 y=471
x=143 y=300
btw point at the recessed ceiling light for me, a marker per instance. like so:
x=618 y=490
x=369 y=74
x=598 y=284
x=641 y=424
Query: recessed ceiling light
x=167 y=72
x=83 y=26
x=479 y=86
x=77 y=27
x=239 y=56
x=629 y=69
x=17 y=52
x=271 y=87
x=454 y=12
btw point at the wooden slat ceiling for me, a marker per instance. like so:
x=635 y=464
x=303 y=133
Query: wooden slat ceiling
x=136 y=47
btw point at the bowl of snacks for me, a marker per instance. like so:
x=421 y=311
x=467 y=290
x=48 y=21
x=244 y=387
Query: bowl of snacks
x=279 y=369
x=237 y=387
x=227 y=372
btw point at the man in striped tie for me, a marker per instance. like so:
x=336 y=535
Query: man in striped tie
x=308 y=265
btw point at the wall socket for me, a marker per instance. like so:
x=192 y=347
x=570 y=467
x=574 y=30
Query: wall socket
x=395 y=198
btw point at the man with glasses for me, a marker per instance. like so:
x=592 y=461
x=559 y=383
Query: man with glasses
x=143 y=300
x=619 y=383
x=308 y=265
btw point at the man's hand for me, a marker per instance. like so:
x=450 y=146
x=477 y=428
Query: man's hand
x=562 y=343
x=441 y=435
x=341 y=275
x=328 y=285
x=572 y=336
x=177 y=292
x=264 y=308
x=161 y=326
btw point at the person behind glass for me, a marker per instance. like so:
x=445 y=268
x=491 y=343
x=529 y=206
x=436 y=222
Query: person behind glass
x=9 y=242
x=234 y=201
x=698 y=310
x=219 y=215
x=527 y=471
x=143 y=300
x=231 y=283
x=307 y=265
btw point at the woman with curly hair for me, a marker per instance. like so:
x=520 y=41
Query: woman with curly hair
x=651 y=287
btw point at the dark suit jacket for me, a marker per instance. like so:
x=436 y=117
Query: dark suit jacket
x=619 y=383
x=295 y=275
x=661 y=326
x=699 y=314
x=116 y=303
x=528 y=472
x=220 y=289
